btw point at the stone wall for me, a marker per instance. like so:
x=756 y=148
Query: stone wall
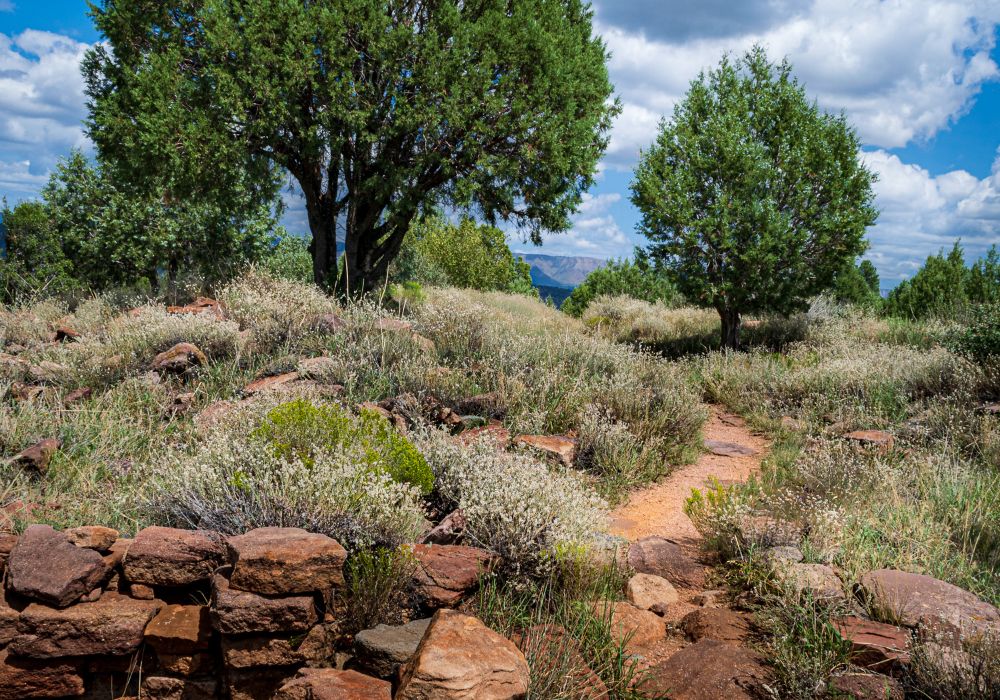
x=182 y=614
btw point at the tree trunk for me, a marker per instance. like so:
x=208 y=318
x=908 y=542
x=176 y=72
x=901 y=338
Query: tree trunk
x=732 y=322
x=323 y=226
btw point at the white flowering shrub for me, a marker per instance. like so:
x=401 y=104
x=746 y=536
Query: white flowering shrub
x=514 y=505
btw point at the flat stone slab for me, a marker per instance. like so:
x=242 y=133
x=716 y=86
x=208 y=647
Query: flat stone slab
x=285 y=561
x=707 y=670
x=728 y=449
x=242 y=612
x=165 y=556
x=667 y=559
x=45 y=566
x=331 y=684
x=874 y=645
x=384 y=648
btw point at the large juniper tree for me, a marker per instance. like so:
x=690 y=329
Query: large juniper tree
x=379 y=109
x=751 y=195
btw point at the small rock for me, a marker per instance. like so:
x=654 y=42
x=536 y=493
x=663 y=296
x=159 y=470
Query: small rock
x=384 y=648
x=728 y=449
x=180 y=629
x=489 y=405
x=64 y=334
x=164 y=556
x=37 y=457
x=646 y=590
x=872 y=438
x=816 y=581
x=257 y=652
x=449 y=531
x=112 y=626
x=25 y=678
x=269 y=383
x=179 y=359
x=558 y=446
x=241 y=612
x=285 y=561
x=875 y=646
x=720 y=624
x=493 y=430
x=635 y=628
x=867 y=686
x=200 y=305
x=25 y=392
x=709 y=599
x=318 y=367
x=77 y=395
x=329 y=323
x=93 y=537
x=447 y=573
x=707 y=670
x=782 y=556
x=460 y=658
x=331 y=684
x=395 y=325
x=665 y=558
x=44 y=566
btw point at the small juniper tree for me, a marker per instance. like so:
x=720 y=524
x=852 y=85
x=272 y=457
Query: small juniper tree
x=751 y=195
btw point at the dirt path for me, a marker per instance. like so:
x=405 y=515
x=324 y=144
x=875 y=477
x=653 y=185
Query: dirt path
x=659 y=509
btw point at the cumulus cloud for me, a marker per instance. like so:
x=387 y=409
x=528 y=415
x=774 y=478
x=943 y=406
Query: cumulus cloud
x=680 y=20
x=901 y=70
x=922 y=214
x=595 y=232
x=41 y=105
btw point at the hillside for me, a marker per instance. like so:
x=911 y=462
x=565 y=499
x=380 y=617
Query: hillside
x=561 y=271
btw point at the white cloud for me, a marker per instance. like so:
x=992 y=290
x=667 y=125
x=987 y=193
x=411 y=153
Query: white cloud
x=594 y=232
x=921 y=214
x=6 y=6
x=902 y=70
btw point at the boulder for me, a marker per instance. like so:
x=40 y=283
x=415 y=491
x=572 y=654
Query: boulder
x=449 y=531
x=44 y=566
x=93 y=537
x=37 y=457
x=164 y=556
x=269 y=383
x=180 y=629
x=179 y=359
x=241 y=612
x=645 y=591
x=876 y=646
x=816 y=581
x=707 y=670
x=555 y=656
x=866 y=686
x=629 y=625
x=666 y=559
x=26 y=678
x=460 y=658
x=259 y=652
x=384 y=648
x=559 y=447
x=285 y=561
x=720 y=624
x=728 y=449
x=331 y=684
x=872 y=438
x=444 y=574
x=944 y=611
x=112 y=626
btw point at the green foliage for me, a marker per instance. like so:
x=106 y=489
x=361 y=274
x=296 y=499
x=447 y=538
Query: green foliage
x=377 y=582
x=380 y=110
x=979 y=340
x=407 y=294
x=301 y=429
x=638 y=280
x=289 y=259
x=938 y=288
x=35 y=262
x=465 y=255
x=983 y=285
x=751 y=196
x=858 y=285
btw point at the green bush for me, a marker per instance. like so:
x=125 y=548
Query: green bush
x=858 y=285
x=289 y=259
x=979 y=340
x=637 y=280
x=301 y=429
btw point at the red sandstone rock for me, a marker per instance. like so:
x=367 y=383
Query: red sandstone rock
x=37 y=457
x=180 y=629
x=178 y=359
x=93 y=537
x=558 y=446
x=112 y=626
x=728 y=449
x=241 y=612
x=636 y=628
x=255 y=652
x=664 y=558
x=493 y=430
x=946 y=612
x=77 y=395
x=268 y=383
x=449 y=531
x=708 y=670
x=647 y=590
x=329 y=323
x=199 y=306
x=872 y=438
x=460 y=658
x=26 y=678
x=166 y=688
x=446 y=573
x=285 y=561
x=866 y=686
x=44 y=566
x=876 y=646
x=7 y=542
x=64 y=334
x=720 y=624
x=331 y=684
x=163 y=556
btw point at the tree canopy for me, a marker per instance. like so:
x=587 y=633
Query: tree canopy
x=378 y=109
x=944 y=286
x=638 y=279
x=751 y=195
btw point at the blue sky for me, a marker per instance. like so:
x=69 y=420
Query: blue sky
x=919 y=78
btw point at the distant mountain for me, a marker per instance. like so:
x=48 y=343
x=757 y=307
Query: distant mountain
x=560 y=271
